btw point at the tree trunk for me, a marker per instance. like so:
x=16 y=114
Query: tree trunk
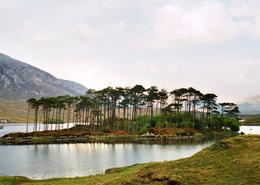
x=27 y=119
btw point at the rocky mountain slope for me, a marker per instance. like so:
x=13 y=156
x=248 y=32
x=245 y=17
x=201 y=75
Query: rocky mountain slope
x=20 y=81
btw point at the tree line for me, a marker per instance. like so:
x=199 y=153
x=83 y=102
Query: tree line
x=121 y=108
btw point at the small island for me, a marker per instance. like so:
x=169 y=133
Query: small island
x=115 y=115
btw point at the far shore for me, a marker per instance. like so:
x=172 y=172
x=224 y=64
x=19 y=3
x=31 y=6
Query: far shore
x=117 y=136
x=250 y=124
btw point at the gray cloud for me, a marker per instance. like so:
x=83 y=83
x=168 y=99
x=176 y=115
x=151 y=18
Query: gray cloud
x=209 y=44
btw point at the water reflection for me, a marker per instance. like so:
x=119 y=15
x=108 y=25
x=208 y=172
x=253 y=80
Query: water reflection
x=70 y=160
x=250 y=129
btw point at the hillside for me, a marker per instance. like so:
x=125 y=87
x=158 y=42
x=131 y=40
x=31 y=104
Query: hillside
x=253 y=119
x=232 y=161
x=20 y=81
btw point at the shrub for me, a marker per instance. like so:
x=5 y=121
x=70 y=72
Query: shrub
x=143 y=130
x=152 y=123
x=187 y=123
x=235 y=127
x=231 y=123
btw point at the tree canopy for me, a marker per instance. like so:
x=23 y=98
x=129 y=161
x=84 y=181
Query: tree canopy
x=121 y=108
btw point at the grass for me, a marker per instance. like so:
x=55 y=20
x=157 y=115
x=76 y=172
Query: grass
x=251 y=120
x=232 y=161
x=12 y=180
x=13 y=112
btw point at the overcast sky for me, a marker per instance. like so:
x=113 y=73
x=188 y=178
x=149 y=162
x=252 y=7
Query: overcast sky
x=212 y=45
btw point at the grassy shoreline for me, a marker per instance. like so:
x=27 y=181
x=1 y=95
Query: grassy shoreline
x=233 y=160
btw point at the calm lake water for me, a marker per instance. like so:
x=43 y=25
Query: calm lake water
x=70 y=160
x=250 y=129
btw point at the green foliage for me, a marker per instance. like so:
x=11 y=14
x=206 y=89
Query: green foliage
x=144 y=130
x=143 y=121
x=165 y=124
x=152 y=122
x=183 y=121
x=187 y=123
x=12 y=180
x=164 y=121
x=173 y=118
x=198 y=124
x=110 y=107
x=231 y=123
x=216 y=121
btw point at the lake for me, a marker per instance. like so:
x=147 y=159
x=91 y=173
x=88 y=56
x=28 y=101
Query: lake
x=71 y=160
x=250 y=129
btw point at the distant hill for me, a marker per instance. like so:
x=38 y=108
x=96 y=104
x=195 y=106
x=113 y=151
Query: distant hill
x=20 y=81
x=251 y=119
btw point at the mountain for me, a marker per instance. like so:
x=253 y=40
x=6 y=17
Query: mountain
x=20 y=81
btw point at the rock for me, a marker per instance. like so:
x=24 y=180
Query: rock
x=20 y=81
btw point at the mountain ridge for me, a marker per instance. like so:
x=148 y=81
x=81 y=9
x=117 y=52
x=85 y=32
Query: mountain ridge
x=20 y=81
